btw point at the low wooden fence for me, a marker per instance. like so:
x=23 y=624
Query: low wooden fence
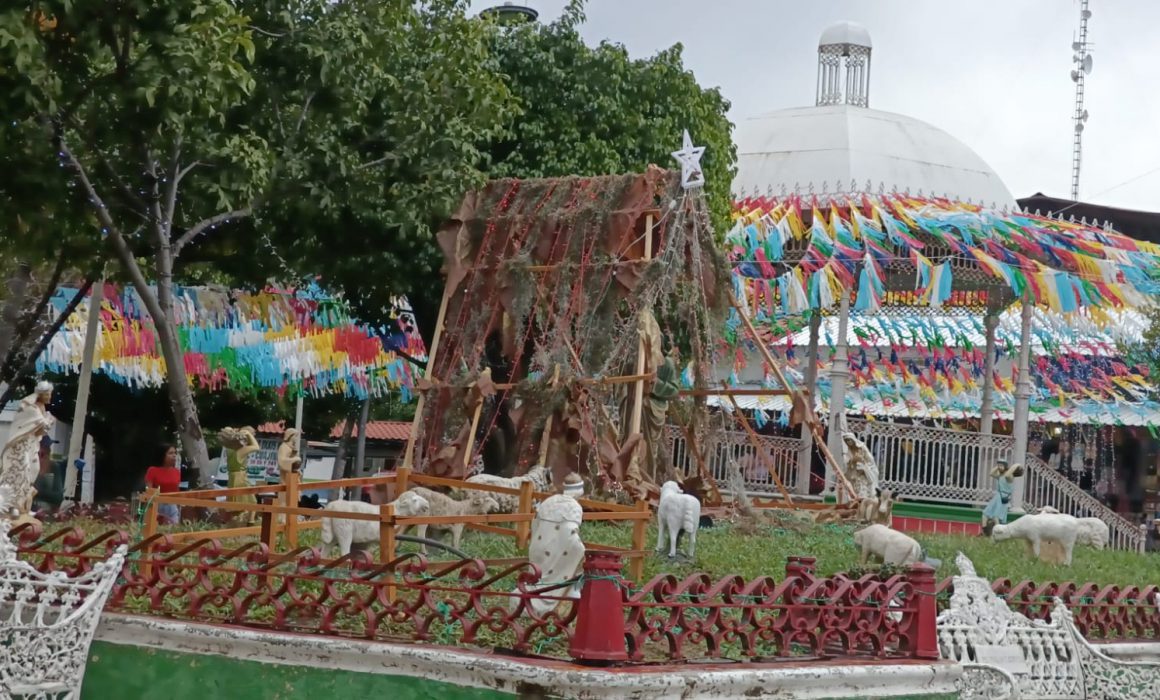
x=279 y=526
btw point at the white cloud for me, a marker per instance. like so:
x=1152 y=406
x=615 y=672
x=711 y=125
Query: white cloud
x=994 y=73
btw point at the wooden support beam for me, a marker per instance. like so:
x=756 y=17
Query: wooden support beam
x=811 y=418
x=409 y=455
x=762 y=453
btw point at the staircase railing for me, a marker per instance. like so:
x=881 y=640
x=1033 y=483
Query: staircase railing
x=1043 y=486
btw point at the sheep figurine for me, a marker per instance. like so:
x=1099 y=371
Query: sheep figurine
x=677 y=512
x=539 y=475
x=891 y=546
x=1093 y=532
x=878 y=510
x=1037 y=529
x=344 y=533
x=442 y=505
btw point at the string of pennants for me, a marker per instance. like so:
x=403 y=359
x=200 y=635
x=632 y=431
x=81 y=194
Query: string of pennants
x=286 y=340
x=1064 y=266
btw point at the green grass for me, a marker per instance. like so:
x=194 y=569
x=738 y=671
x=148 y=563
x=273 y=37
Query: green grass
x=762 y=551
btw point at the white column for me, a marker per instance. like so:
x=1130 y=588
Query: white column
x=839 y=371
x=987 y=410
x=298 y=426
x=805 y=457
x=81 y=409
x=1022 y=402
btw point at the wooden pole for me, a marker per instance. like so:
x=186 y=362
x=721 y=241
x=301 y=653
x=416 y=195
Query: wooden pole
x=387 y=544
x=810 y=417
x=546 y=439
x=638 y=399
x=360 y=446
x=268 y=530
x=762 y=453
x=149 y=526
x=80 y=412
x=409 y=455
x=474 y=427
x=291 y=499
x=639 y=530
x=526 y=507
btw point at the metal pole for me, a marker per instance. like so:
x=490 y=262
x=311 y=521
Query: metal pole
x=298 y=426
x=1022 y=402
x=81 y=409
x=805 y=456
x=839 y=371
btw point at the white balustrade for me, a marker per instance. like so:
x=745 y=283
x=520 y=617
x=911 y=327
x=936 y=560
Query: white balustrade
x=737 y=445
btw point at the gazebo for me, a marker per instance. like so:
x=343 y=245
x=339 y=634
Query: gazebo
x=887 y=230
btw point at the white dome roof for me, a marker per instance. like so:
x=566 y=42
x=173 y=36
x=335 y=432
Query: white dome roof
x=792 y=148
x=846 y=33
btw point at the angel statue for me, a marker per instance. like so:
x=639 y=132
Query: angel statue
x=20 y=456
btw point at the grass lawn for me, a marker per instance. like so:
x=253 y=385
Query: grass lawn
x=761 y=550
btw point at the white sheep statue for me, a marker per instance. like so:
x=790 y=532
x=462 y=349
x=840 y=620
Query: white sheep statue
x=539 y=475
x=442 y=505
x=344 y=532
x=891 y=546
x=677 y=512
x=1038 y=529
x=1093 y=532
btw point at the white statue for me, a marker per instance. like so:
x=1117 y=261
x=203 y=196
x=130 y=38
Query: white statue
x=861 y=469
x=1038 y=530
x=20 y=457
x=891 y=546
x=677 y=511
x=556 y=549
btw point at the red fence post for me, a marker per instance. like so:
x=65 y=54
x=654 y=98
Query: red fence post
x=599 y=634
x=925 y=632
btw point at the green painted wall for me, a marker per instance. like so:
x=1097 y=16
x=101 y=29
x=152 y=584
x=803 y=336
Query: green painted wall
x=132 y=673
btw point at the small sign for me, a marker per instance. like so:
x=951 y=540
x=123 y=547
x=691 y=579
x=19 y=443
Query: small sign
x=1008 y=658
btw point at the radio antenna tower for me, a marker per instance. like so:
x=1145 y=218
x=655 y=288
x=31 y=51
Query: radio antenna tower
x=1082 y=58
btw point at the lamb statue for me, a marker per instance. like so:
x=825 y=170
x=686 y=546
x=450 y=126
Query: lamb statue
x=861 y=469
x=557 y=551
x=345 y=533
x=891 y=546
x=1093 y=532
x=677 y=512
x=442 y=505
x=539 y=475
x=1037 y=529
x=878 y=509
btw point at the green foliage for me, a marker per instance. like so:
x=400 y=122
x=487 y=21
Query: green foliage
x=596 y=111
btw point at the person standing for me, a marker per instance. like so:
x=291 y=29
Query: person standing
x=167 y=479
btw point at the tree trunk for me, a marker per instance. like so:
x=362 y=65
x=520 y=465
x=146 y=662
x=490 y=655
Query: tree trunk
x=180 y=395
x=339 y=469
x=30 y=360
x=360 y=449
x=18 y=284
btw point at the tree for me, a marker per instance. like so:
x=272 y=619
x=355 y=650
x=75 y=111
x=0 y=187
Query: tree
x=194 y=119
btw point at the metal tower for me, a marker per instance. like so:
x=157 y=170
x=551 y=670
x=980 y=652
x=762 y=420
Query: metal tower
x=1082 y=58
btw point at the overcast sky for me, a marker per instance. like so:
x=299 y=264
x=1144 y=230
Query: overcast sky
x=993 y=73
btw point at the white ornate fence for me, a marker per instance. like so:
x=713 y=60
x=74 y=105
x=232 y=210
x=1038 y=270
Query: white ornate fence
x=736 y=445
x=920 y=463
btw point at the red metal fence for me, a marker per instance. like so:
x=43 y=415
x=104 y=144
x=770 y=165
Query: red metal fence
x=466 y=603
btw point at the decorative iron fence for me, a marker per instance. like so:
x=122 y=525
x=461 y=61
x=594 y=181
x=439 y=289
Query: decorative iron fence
x=469 y=603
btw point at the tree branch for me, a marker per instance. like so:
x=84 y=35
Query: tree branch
x=376 y=161
x=201 y=226
x=30 y=360
x=176 y=173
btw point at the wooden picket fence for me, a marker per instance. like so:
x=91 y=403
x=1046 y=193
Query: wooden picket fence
x=278 y=519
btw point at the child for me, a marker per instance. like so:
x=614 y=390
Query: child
x=996 y=510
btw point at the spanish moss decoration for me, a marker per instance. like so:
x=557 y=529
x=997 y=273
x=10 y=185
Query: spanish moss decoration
x=563 y=296
x=287 y=340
